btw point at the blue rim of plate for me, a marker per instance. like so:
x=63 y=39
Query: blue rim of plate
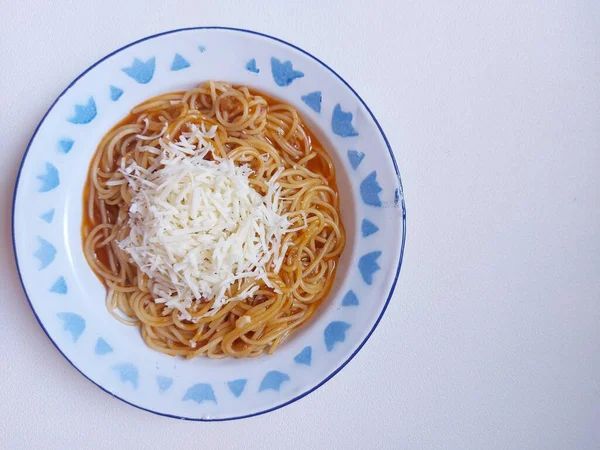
x=396 y=276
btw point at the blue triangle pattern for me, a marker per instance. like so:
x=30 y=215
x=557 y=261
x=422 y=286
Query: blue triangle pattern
x=305 y=356
x=164 y=383
x=350 y=299
x=65 y=145
x=313 y=100
x=237 y=386
x=355 y=158
x=179 y=63
x=251 y=66
x=368 y=228
x=59 y=286
x=115 y=93
x=48 y=216
x=102 y=347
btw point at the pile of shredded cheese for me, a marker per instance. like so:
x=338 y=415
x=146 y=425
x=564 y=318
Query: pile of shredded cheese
x=198 y=227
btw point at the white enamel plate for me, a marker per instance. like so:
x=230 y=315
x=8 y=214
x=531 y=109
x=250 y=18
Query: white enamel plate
x=69 y=301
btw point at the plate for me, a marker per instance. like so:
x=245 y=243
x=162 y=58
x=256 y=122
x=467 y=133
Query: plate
x=67 y=298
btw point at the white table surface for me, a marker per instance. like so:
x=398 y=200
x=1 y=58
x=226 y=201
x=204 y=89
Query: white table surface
x=492 y=339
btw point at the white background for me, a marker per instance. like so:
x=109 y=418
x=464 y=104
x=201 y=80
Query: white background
x=492 y=339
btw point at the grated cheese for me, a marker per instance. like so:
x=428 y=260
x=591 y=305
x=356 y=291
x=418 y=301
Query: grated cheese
x=197 y=226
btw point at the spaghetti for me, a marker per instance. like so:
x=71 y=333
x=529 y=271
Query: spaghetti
x=251 y=130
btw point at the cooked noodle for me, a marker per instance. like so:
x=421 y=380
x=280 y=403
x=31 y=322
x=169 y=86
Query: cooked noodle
x=252 y=129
